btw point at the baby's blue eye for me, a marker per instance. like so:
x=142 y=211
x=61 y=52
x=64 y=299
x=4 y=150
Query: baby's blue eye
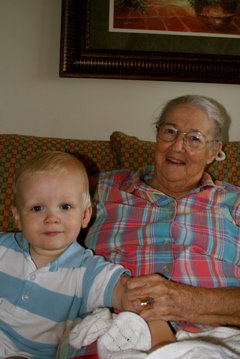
x=66 y=206
x=37 y=208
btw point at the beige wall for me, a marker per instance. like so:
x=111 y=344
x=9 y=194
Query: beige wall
x=35 y=101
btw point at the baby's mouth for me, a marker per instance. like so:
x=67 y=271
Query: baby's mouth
x=52 y=233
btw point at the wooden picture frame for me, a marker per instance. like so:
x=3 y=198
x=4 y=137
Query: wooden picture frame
x=78 y=58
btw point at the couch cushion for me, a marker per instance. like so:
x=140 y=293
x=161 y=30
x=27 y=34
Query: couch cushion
x=133 y=153
x=229 y=169
x=97 y=156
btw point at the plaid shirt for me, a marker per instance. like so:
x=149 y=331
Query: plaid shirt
x=194 y=239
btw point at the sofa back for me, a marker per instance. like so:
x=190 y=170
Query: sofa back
x=121 y=151
x=97 y=156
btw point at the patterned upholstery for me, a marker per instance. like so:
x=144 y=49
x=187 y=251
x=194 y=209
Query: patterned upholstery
x=97 y=156
x=121 y=151
x=229 y=169
x=131 y=152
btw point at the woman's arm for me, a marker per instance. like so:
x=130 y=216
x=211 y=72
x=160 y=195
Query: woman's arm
x=184 y=303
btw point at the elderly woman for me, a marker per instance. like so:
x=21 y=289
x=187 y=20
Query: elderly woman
x=175 y=223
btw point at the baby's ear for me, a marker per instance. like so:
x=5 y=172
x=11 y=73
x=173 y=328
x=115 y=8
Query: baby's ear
x=16 y=217
x=86 y=217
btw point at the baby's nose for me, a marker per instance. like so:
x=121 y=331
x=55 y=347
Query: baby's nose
x=51 y=218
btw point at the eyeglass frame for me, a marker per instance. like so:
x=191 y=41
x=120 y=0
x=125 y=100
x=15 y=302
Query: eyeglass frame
x=185 y=134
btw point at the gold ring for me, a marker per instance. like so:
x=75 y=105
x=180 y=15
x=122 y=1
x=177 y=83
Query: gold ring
x=147 y=303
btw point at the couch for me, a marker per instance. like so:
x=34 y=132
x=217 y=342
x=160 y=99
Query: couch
x=121 y=151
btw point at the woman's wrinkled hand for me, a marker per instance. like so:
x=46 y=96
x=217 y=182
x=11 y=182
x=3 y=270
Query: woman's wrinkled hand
x=172 y=301
x=183 y=303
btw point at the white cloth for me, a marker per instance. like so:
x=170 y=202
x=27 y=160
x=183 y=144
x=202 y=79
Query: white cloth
x=91 y=328
x=127 y=336
x=122 y=336
x=219 y=343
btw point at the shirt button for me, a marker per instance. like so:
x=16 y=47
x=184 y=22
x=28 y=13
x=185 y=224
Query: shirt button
x=165 y=269
x=25 y=297
x=33 y=276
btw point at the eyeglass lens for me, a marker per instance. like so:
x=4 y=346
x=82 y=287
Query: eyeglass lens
x=191 y=139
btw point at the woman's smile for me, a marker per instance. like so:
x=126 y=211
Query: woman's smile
x=178 y=168
x=175 y=161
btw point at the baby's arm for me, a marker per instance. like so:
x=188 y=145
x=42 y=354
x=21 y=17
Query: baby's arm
x=119 y=299
x=161 y=332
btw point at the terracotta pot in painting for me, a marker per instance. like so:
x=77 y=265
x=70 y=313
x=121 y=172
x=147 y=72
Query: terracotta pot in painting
x=218 y=15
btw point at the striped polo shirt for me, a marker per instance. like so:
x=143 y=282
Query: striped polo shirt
x=37 y=305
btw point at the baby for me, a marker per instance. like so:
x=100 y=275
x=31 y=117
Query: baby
x=48 y=279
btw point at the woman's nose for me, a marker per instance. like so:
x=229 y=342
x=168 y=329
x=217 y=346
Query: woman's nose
x=179 y=142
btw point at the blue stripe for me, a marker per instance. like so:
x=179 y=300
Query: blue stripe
x=15 y=241
x=42 y=351
x=43 y=302
x=95 y=266
x=110 y=287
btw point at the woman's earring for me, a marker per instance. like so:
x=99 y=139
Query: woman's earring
x=221 y=156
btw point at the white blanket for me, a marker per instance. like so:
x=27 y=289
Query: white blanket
x=126 y=336
x=219 y=343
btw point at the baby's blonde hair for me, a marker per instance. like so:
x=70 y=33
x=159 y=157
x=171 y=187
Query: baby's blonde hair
x=57 y=162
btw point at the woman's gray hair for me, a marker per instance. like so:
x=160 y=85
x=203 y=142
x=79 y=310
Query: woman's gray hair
x=214 y=111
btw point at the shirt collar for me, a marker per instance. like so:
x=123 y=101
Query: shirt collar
x=139 y=178
x=207 y=181
x=66 y=260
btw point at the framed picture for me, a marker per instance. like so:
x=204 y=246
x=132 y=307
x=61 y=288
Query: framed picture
x=96 y=44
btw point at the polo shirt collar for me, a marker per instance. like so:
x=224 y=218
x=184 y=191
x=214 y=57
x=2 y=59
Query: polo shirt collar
x=68 y=259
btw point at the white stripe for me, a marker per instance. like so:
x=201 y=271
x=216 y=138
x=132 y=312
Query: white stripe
x=38 y=329
x=7 y=348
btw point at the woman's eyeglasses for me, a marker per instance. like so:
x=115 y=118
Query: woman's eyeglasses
x=193 y=140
